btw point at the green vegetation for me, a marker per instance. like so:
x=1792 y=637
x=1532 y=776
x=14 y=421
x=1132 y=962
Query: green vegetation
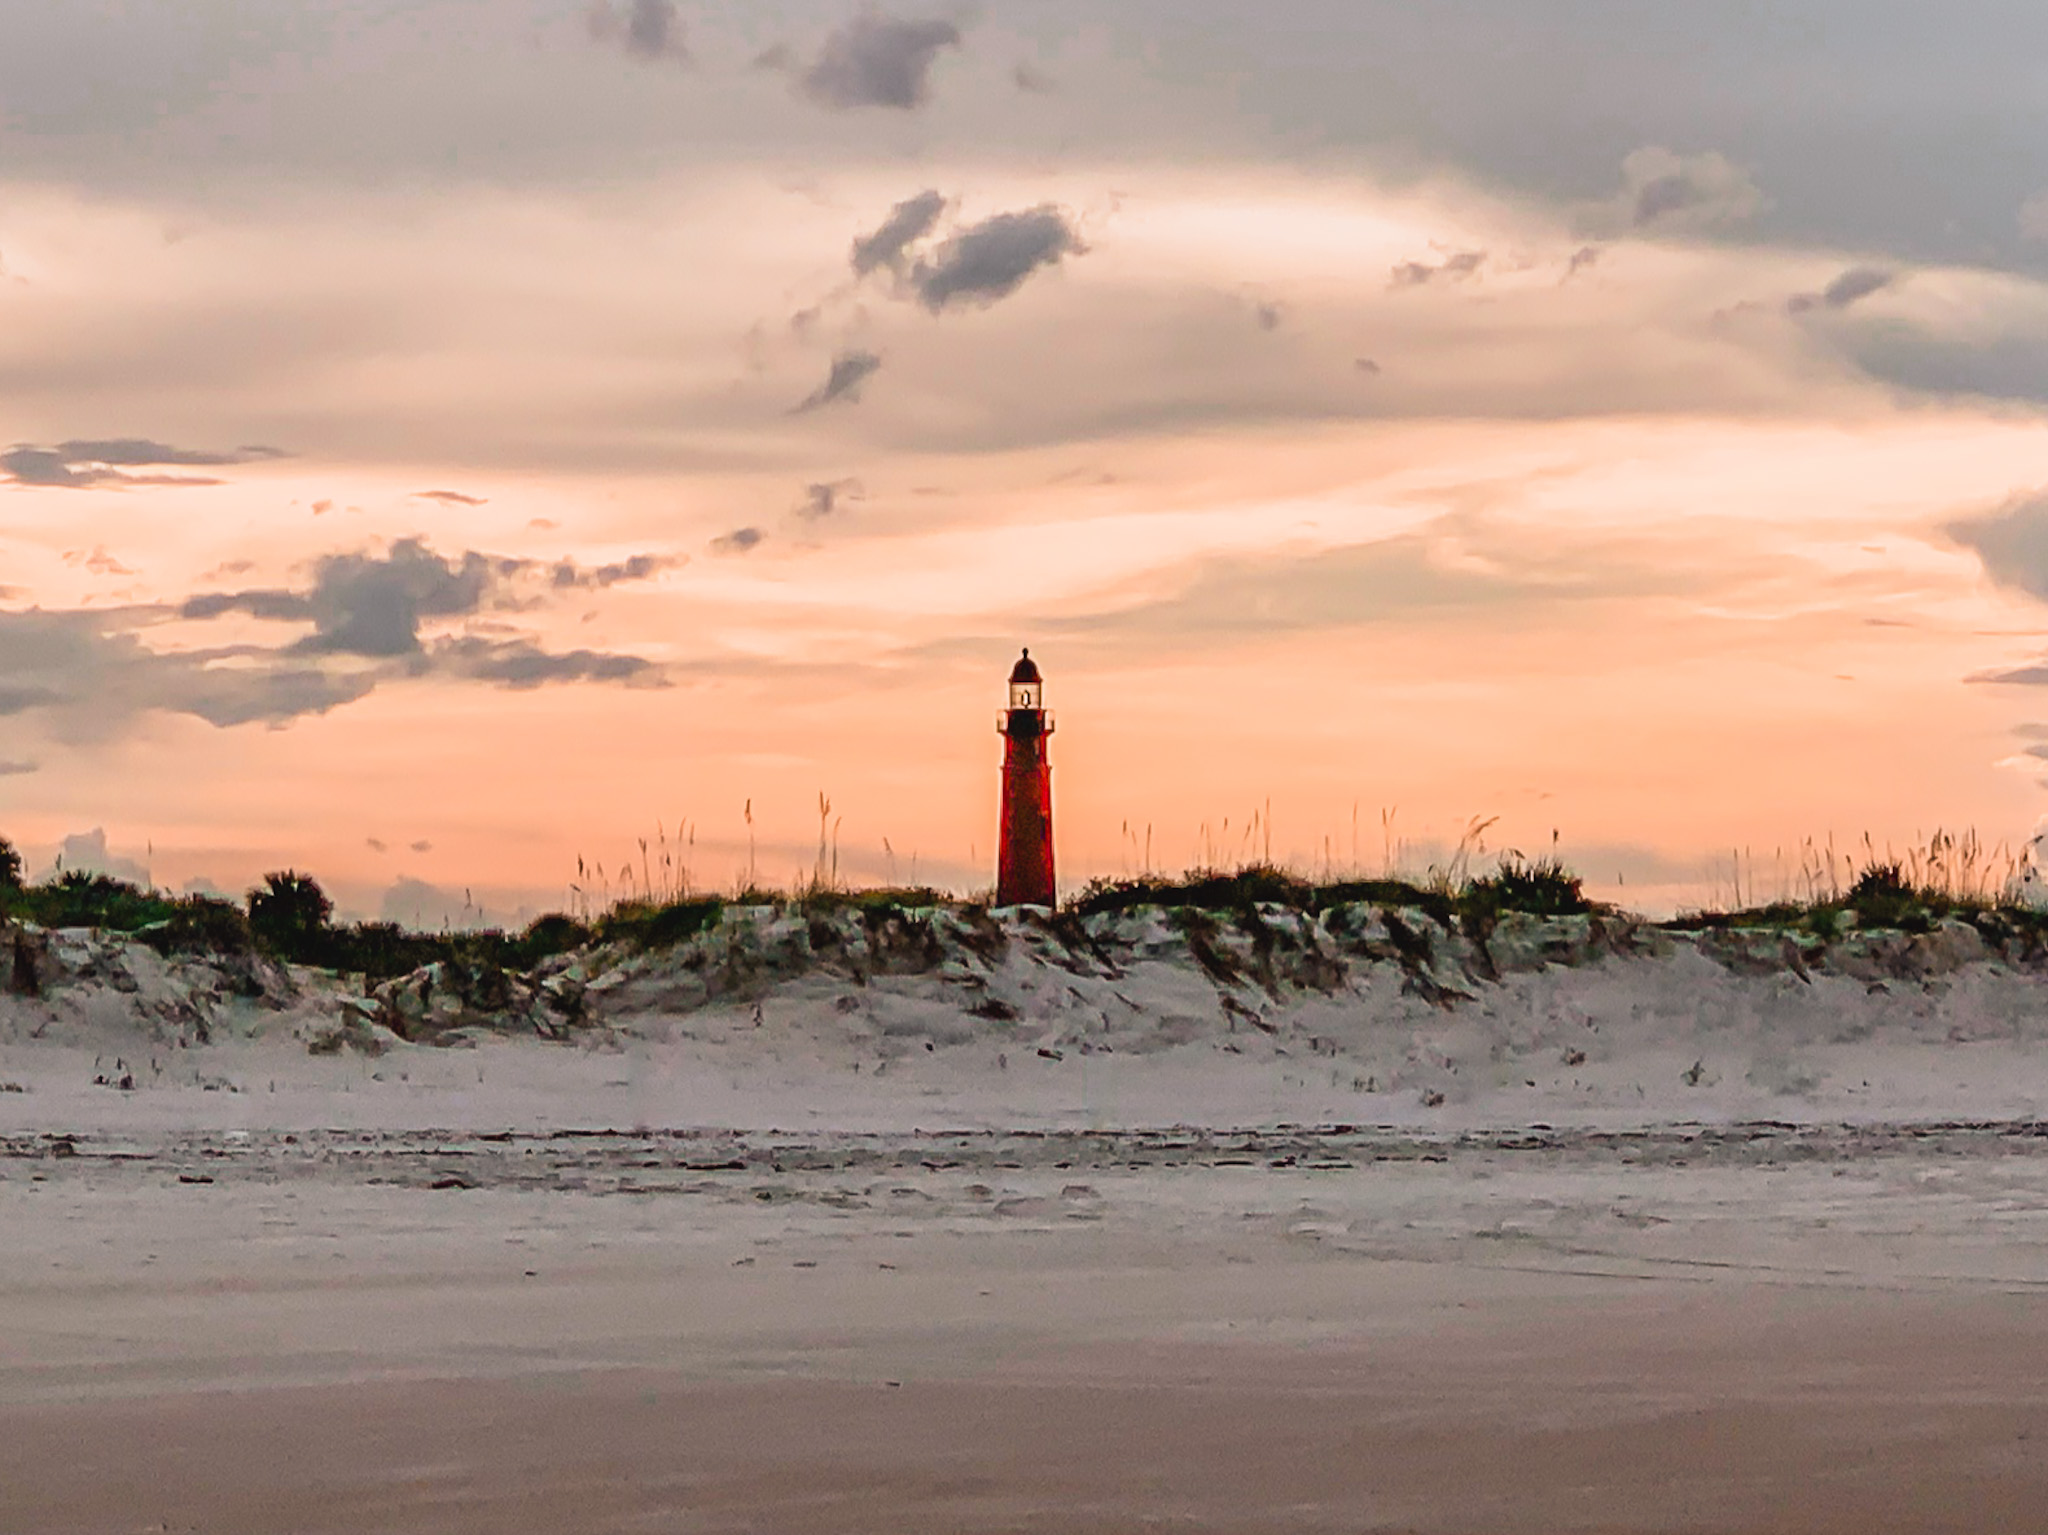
x=1544 y=888
x=648 y=925
x=289 y=917
x=78 y=899
x=1886 y=894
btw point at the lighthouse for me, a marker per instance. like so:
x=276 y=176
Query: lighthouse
x=1024 y=868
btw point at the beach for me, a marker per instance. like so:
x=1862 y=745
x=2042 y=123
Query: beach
x=1676 y=1330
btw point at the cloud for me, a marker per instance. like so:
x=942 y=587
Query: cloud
x=822 y=500
x=1664 y=192
x=90 y=671
x=567 y=575
x=2034 y=218
x=371 y=606
x=2012 y=543
x=87 y=851
x=450 y=497
x=739 y=541
x=521 y=664
x=15 y=769
x=878 y=61
x=1453 y=268
x=1585 y=257
x=1032 y=80
x=908 y=222
x=1858 y=282
x=96 y=560
x=991 y=260
x=849 y=371
x=647 y=29
x=86 y=462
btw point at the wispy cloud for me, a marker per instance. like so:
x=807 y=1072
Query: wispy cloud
x=738 y=541
x=843 y=381
x=878 y=61
x=1417 y=274
x=908 y=222
x=83 y=463
x=646 y=29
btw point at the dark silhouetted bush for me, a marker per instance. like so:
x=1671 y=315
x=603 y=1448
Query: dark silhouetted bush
x=79 y=899
x=1543 y=888
x=1202 y=889
x=201 y=924
x=289 y=913
x=10 y=866
x=544 y=938
x=656 y=927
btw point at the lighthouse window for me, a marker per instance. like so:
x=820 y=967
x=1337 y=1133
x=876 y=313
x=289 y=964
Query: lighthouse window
x=1024 y=695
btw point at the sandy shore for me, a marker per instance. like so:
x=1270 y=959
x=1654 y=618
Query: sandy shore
x=1578 y=1410
x=1492 y=1342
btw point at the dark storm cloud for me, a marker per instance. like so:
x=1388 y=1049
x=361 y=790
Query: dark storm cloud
x=908 y=222
x=1854 y=284
x=991 y=260
x=2012 y=543
x=85 y=462
x=648 y=29
x=848 y=372
x=878 y=61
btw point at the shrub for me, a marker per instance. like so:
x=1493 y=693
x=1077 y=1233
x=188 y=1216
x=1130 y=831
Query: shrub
x=1542 y=888
x=289 y=913
x=1202 y=889
x=544 y=938
x=657 y=927
x=80 y=899
x=10 y=866
x=201 y=924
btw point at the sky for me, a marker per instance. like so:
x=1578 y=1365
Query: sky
x=448 y=444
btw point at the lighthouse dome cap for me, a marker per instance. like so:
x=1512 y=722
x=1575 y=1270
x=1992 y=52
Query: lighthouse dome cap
x=1026 y=670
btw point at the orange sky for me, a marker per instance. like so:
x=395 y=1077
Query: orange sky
x=435 y=530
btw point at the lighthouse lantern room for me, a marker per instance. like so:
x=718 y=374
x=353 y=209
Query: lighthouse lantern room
x=1024 y=868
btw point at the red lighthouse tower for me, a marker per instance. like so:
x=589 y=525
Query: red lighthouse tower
x=1024 y=869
